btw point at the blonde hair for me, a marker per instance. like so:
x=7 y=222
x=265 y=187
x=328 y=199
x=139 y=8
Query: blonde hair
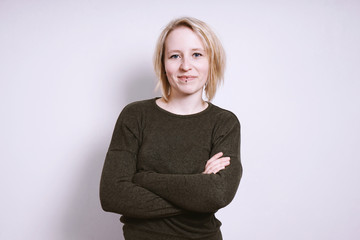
x=213 y=47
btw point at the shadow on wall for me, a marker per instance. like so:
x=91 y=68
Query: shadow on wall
x=142 y=86
x=85 y=218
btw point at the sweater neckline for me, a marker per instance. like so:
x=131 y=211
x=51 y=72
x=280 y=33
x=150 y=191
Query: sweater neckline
x=181 y=115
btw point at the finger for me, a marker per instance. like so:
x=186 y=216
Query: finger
x=220 y=164
x=215 y=170
x=211 y=172
x=217 y=161
x=214 y=158
x=218 y=167
x=222 y=161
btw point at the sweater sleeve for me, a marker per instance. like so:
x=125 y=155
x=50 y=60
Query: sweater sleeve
x=202 y=192
x=118 y=193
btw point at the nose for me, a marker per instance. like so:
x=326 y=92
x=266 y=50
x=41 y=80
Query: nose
x=185 y=64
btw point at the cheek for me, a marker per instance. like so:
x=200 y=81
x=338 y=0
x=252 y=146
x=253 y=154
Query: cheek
x=205 y=69
x=169 y=67
x=170 y=71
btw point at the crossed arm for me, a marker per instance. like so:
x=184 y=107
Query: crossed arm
x=204 y=192
x=151 y=195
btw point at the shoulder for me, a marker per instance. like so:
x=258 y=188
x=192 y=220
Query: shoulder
x=139 y=106
x=226 y=124
x=223 y=116
x=134 y=112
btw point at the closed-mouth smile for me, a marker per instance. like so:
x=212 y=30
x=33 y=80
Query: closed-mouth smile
x=186 y=78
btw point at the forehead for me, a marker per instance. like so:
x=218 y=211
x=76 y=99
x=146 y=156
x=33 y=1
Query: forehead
x=182 y=38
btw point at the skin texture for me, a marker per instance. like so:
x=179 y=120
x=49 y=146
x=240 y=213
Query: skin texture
x=186 y=63
x=187 y=67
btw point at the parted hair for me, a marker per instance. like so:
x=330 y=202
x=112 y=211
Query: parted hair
x=213 y=48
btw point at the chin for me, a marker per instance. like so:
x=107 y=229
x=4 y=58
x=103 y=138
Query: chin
x=191 y=91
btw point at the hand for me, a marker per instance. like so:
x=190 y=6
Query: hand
x=216 y=163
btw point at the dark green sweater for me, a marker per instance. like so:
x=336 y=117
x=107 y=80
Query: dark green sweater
x=153 y=171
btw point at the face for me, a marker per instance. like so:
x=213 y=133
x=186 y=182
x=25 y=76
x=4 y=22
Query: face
x=186 y=63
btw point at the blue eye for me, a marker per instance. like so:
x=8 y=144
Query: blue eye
x=197 y=54
x=175 y=56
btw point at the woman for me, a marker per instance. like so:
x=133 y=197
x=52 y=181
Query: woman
x=167 y=170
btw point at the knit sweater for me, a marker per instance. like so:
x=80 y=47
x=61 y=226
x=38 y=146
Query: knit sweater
x=152 y=173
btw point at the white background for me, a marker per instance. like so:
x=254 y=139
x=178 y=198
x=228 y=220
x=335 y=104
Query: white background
x=67 y=68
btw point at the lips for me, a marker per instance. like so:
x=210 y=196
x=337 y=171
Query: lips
x=186 y=78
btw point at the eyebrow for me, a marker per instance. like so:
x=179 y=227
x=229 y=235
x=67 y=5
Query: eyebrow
x=193 y=49
x=198 y=49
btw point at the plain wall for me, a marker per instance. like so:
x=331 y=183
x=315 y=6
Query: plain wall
x=67 y=68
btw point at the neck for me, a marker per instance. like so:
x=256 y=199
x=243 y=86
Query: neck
x=185 y=105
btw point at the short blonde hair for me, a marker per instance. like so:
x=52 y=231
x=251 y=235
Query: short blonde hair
x=213 y=47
